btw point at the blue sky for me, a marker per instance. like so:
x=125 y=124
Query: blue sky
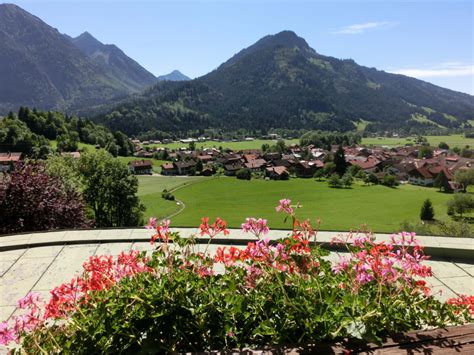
x=431 y=40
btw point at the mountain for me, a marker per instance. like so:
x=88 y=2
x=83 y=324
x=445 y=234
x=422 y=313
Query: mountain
x=42 y=68
x=281 y=82
x=175 y=75
x=115 y=61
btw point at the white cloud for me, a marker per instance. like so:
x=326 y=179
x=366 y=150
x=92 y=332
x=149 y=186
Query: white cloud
x=359 y=28
x=448 y=69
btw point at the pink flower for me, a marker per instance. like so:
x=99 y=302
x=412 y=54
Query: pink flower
x=31 y=299
x=285 y=206
x=151 y=223
x=7 y=335
x=342 y=265
x=255 y=226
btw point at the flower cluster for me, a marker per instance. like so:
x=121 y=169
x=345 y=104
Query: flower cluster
x=211 y=230
x=463 y=301
x=400 y=259
x=257 y=227
x=162 y=230
x=100 y=272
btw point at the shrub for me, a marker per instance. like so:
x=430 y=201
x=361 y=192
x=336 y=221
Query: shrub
x=460 y=204
x=389 y=180
x=334 y=181
x=347 y=180
x=427 y=211
x=167 y=195
x=32 y=200
x=280 y=293
x=244 y=174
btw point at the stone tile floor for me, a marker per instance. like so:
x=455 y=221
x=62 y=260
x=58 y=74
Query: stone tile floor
x=41 y=268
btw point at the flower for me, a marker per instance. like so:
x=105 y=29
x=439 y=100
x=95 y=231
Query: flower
x=284 y=206
x=151 y=223
x=255 y=226
x=7 y=334
x=219 y=226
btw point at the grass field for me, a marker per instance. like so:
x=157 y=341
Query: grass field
x=455 y=140
x=149 y=191
x=381 y=208
x=255 y=144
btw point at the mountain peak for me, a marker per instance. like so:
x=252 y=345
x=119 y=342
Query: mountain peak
x=175 y=75
x=87 y=42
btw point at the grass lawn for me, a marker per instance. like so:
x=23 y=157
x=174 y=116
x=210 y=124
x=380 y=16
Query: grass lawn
x=149 y=191
x=455 y=140
x=381 y=208
x=255 y=144
x=80 y=145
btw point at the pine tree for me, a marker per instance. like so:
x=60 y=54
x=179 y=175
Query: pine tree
x=441 y=181
x=427 y=212
x=340 y=161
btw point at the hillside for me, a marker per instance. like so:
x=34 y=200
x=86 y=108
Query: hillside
x=281 y=82
x=115 y=61
x=40 y=67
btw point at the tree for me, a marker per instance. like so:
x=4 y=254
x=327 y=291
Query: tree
x=192 y=146
x=318 y=174
x=354 y=170
x=110 y=190
x=371 y=178
x=280 y=146
x=199 y=166
x=32 y=200
x=464 y=178
x=461 y=204
x=67 y=142
x=335 y=181
x=427 y=211
x=425 y=152
x=329 y=168
x=443 y=145
x=441 y=181
x=389 y=180
x=361 y=175
x=340 y=161
x=244 y=174
x=347 y=180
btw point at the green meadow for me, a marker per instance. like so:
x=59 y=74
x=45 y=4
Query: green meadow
x=255 y=144
x=380 y=208
x=454 y=140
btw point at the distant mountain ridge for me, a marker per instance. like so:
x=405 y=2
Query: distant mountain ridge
x=115 y=60
x=281 y=82
x=40 y=67
x=175 y=75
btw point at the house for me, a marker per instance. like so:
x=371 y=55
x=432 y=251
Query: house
x=306 y=169
x=185 y=167
x=141 y=167
x=168 y=169
x=205 y=158
x=255 y=165
x=367 y=164
x=421 y=176
x=231 y=168
x=8 y=161
x=277 y=173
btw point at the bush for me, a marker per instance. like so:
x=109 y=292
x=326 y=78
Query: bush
x=427 y=211
x=347 y=180
x=32 y=200
x=266 y=294
x=334 y=181
x=167 y=195
x=461 y=204
x=390 y=181
x=244 y=174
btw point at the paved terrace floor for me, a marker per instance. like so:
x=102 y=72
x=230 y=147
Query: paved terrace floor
x=40 y=261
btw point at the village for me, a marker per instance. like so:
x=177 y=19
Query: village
x=405 y=164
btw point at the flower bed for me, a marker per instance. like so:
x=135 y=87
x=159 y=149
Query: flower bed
x=268 y=293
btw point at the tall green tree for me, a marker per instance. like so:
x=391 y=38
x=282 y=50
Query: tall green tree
x=340 y=161
x=441 y=182
x=110 y=190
